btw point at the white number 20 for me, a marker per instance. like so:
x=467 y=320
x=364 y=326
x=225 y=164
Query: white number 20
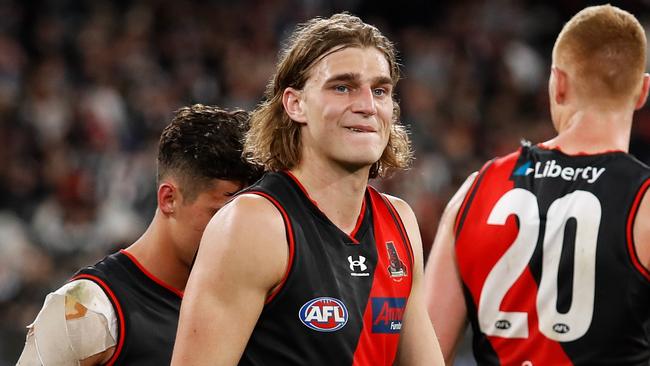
x=585 y=208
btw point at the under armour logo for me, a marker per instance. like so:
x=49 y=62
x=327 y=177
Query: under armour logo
x=360 y=263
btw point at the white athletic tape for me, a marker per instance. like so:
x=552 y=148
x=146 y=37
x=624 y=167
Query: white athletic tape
x=89 y=335
x=93 y=298
x=29 y=357
x=50 y=335
x=54 y=341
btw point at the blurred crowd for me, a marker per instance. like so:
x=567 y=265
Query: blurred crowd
x=87 y=86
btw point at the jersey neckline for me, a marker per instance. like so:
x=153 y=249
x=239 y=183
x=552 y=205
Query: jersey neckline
x=358 y=229
x=150 y=275
x=542 y=146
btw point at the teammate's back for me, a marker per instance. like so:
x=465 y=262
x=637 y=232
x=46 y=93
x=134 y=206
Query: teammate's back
x=560 y=283
x=546 y=251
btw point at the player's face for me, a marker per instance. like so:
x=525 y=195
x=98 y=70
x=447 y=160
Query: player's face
x=194 y=216
x=348 y=107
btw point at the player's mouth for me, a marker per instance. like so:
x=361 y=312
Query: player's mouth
x=361 y=128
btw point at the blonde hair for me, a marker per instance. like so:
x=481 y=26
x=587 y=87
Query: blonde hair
x=605 y=47
x=274 y=139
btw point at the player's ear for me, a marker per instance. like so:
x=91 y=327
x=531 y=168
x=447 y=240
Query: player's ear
x=560 y=85
x=640 y=102
x=167 y=197
x=292 y=102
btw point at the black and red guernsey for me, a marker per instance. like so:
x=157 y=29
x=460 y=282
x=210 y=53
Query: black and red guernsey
x=146 y=308
x=545 y=252
x=344 y=296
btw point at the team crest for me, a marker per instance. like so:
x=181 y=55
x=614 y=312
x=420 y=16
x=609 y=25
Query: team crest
x=324 y=314
x=396 y=269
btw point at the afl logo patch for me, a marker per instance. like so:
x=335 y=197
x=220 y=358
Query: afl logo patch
x=324 y=314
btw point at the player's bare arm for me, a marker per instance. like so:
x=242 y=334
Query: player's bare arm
x=443 y=287
x=98 y=359
x=418 y=344
x=642 y=231
x=243 y=255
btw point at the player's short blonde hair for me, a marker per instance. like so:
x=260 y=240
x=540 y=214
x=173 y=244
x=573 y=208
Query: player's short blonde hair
x=604 y=47
x=274 y=139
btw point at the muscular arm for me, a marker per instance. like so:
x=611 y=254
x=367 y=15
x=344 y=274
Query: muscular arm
x=443 y=287
x=642 y=231
x=418 y=344
x=242 y=256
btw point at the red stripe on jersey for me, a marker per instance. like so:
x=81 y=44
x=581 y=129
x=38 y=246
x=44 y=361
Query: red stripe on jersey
x=477 y=257
x=354 y=231
x=581 y=153
x=155 y=279
x=478 y=248
x=468 y=196
x=290 y=240
x=630 y=231
x=382 y=318
x=118 y=309
x=405 y=235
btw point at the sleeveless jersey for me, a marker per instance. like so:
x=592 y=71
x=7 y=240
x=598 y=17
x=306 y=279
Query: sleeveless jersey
x=550 y=274
x=343 y=297
x=147 y=309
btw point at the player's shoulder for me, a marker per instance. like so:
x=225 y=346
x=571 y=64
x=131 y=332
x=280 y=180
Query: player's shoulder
x=259 y=199
x=88 y=294
x=508 y=158
x=638 y=164
x=254 y=206
x=80 y=287
x=248 y=216
x=402 y=207
x=398 y=203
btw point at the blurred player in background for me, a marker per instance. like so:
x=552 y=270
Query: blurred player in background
x=547 y=250
x=311 y=266
x=124 y=309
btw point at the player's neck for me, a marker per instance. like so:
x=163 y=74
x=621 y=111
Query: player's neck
x=157 y=255
x=338 y=193
x=593 y=131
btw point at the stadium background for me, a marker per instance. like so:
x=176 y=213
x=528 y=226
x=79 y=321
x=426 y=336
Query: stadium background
x=86 y=87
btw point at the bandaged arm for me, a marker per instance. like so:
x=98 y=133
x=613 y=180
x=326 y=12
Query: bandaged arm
x=77 y=321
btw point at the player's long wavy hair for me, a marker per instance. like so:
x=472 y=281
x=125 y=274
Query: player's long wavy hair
x=274 y=139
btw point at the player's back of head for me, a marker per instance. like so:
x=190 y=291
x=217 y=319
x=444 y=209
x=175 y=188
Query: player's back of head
x=604 y=48
x=203 y=143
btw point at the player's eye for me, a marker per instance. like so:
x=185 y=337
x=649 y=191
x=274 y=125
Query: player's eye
x=379 y=92
x=342 y=88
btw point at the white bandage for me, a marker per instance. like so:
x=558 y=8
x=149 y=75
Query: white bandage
x=93 y=298
x=58 y=341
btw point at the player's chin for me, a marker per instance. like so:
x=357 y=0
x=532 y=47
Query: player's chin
x=361 y=159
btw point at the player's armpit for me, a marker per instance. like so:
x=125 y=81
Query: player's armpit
x=443 y=290
x=80 y=334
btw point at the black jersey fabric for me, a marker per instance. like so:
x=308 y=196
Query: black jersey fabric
x=147 y=310
x=344 y=295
